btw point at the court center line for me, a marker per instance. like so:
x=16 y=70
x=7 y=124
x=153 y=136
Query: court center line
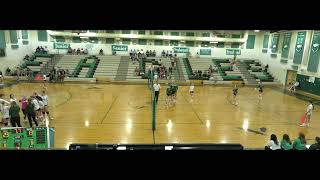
x=105 y=116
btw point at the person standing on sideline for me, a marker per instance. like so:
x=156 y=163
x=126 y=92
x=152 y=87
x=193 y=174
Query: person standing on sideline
x=191 y=89
x=234 y=95
x=31 y=114
x=14 y=114
x=156 y=88
x=308 y=115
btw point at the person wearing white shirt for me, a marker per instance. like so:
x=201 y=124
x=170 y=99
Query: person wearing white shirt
x=296 y=84
x=5 y=113
x=12 y=98
x=155 y=77
x=156 y=88
x=273 y=144
x=191 y=89
x=45 y=101
x=308 y=114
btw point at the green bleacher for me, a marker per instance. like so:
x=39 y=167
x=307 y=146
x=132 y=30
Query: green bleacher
x=257 y=71
x=223 y=68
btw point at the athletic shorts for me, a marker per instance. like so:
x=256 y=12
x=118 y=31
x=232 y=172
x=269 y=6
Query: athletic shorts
x=191 y=92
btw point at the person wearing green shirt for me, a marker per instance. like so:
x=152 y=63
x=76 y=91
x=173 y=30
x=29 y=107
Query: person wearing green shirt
x=286 y=142
x=300 y=142
x=14 y=114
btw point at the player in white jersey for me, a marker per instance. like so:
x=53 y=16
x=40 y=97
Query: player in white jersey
x=45 y=101
x=191 y=90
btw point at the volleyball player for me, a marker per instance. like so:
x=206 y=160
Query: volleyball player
x=234 y=95
x=5 y=112
x=156 y=88
x=45 y=101
x=41 y=106
x=191 y=90
x=36 y=106
x=260 y=89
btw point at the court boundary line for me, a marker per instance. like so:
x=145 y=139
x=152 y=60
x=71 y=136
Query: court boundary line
x=192 y=108
x=105 y=116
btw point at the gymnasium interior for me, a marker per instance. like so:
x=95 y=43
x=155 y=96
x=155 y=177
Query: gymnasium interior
x=100 y=86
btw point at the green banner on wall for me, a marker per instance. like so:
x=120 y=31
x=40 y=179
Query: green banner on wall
x=205 y=51
x=233 y=52
x=286 y=45
x=274 y=43
x=250 y=41
x=119 y=48
x=59 y=45
x=180 y=50
x=314 y=55
x=265 y=41
x=298 y=52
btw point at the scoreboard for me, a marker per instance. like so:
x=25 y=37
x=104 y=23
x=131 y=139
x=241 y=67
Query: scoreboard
x=26 y=138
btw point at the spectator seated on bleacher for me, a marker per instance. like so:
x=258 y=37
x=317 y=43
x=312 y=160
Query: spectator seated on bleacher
x=38 y=49
x=266 y=68
x=114 y=53
x=85 y=52
x=163 y=54
x=46 y=50
x=147 y=53
x=69 y=50
x=81 y=51
x=101 y=52
x=26 y=58
x=210 y=69
x=73 y=51
x=8 y=71
x=78 y=51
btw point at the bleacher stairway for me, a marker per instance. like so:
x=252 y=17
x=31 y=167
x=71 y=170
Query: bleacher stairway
x=247 y=77
x=122 y=69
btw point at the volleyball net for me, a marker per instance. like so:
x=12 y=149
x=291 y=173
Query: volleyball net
x=152 y=100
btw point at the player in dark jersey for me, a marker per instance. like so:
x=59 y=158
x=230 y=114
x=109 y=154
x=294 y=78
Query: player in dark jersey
x=260 y=89
x=234 y=95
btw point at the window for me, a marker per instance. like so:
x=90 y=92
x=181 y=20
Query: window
x=126 y=31
x=76 y=39
x=42 y=35
x=126 y=41
x=206 y=34
x=158 y=42
x=174 y=33
x=2 y=40
x=190 y=43
x=60 y=39
x=204 y=44
x=2 y=52
x=142 y=32
x=142 y=41
x=110 y=40
x=220 y=45
x=158 y=33
x=13 y=37
x=110 y=31
x=174 y=43
x=93 y=40
x=235 y=45
x=236 y=36
x=190 y=34
x=94 y=31
x=24 y=34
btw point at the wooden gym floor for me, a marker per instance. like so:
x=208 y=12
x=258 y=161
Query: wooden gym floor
x=90 y=113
